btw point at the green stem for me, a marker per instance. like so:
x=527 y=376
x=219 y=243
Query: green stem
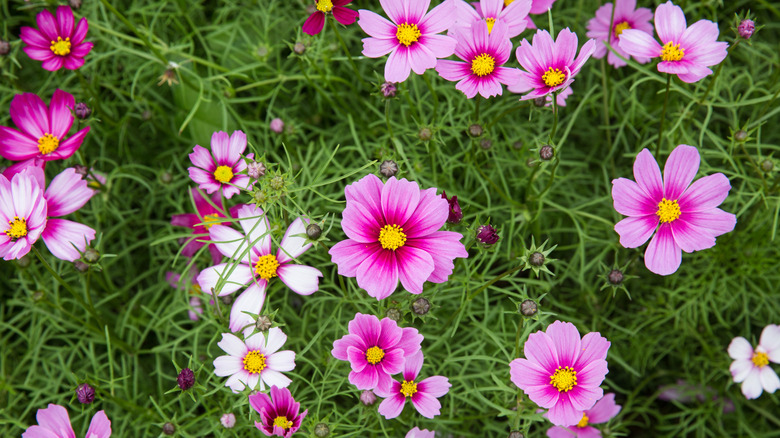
x=346 y=50
x=605 y=101
x=433 y=94
x=717 y=72
x=555 y=117
x=387 y=118
x=133 y=29
x=663 y=116
x=477 y=100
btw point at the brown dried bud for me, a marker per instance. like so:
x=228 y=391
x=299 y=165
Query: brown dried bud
x=388 y=168
x=421 y=306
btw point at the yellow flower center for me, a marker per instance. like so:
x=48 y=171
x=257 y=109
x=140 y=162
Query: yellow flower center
x=266 y=267
x=210 y=220
x=17 y=228
x=283 y=422
x=760 y=359
x=490 y=22
x=508 y=2
x=672 y=52
x=483 y=65
x=254 y=362
x=48 y=144
x=408 y=389
x=668 y=210
x=619 y=28
x=564 y=379
x=553 y=77
x=584 y=421
x=60 y=47
x=407 y=34
x=374 y=355
x=324 y=6
x=392 y=237
x=223 y=174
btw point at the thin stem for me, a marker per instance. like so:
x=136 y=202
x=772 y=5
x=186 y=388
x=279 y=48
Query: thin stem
x=387 y=118
x=346 y=50
x=477 y=100
x=605 y=101
x=717 y=72
x=663 y=116
x=555 y=116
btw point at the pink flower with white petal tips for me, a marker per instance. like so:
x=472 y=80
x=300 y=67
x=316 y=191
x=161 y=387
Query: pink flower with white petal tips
x=57 y=42
x=492 y=12
x=23 y=212
x=54 y=422
x=220 y=170
x=257 y=360
x=423 y=394
x=626 y=16
x=603 y=411
x=751 y=366
x=254 y=263
x=279 y=413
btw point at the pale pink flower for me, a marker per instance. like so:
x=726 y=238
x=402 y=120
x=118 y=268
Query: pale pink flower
x=751 y=366
x=58 y=41
x=221 y=167
x=417 y=433
x=279 y=413
x=603 y=411
x=626 y=17
x=423 y=394
x=54 y=422
x=492 y=12
x=23 y=211
x=255 y=361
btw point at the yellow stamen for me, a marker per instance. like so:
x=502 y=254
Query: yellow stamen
x=672 y=52
x=392 y=237
x=620 y=27
x=283 y=422
x=48 y=144
x=210 y=220
x=223 y=174
x=760 y=359
x=266 y=267
x=508 y=2
x=324 y=5
x=254 y=362
x=407 y=34
x=584 y=421
x=17 y=228
x=668 y=210
x=60 y=47
x=408 y=389
x=553 y=77
x=374 y=355
x=490 y=22
x=564 y=379
x=483 y=65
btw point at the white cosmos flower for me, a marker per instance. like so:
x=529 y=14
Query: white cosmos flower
x=255 y=360
x=751 y=367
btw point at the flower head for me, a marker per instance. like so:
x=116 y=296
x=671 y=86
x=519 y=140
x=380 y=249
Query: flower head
x=208 y=214
x=626 y=16
x=423 y=394
x=512 y=14
x=85 y=393
x=751 y=366
x=562 y=372
x=255 y=360
x=487 y=235
x=23 y=213
x=410 y=37
x=746 y=28
x=684 y=51
x=603 y=411
x=55 y=422
x=278 y=413
x=392 y=231
x=185 y=379
x=316 y=20
x=221 y=168
x=58 y=41
x=376 y=350
x=682 y=215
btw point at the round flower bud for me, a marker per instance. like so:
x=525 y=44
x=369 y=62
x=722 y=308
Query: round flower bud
x=75 y=4
x=475 y=130
x=277 y=182
x=168 y=428
x=85 y=393
x=615 y=277
x=546 y=152
x=255 y=169
x=388 y=89
x=166 y=177
x=486 y=144
x=515 y=434
x=536 y=259
x=186 y=379
x=299 y=48
x=228 y=420
x=82 y=110
x=767 y=165
x=313 y=231
x=277 y=125
x=393 y=314
x=80 y=266
x=91 y=255
x=321 y=430
x=5 y=47
x=487 y=234
x=540 y=101
x=421 y=306
x=226 y=299
x=746 y=28
x=368 y=397
x=528 y=308
x=741 y=135
x=425 y=134
x=263 y=323
x=388 y=168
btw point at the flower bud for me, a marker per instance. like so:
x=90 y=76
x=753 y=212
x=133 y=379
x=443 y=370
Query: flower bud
x=455 y=213
x=741 y=135
x=615 y=277
x=168 y=428
x=767 y=166
x=91 y=255
x=540 y=101
x=486 y=144
x=388 y=89
x=75 y=4
x=425 y=134
x=166 y=178
x=81 y=170
x=536 y=259
x=277 y=182
x=321 y=430
x=746 y=28
x=475 y=130
x=528 y=308
x=186 y=379
x=546 y=152
x=515 y=434
x=487 y=234
x=313 y=231
x=393 y=314
x=368 y=397
x=228 y=420
x=277 y=125
x=255 y=169
x=82 y=110
x=24 y=261
x=517 y=145
x=263 y=323
x=226 y=299
x=388 y=168
x=85 y=393
x=5 y=47
x=80 y=266
x=421 y=306
x=299 y=48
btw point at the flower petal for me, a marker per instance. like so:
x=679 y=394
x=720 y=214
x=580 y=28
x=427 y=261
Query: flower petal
x=663 y=256
x=303 y=280
x=679 y=170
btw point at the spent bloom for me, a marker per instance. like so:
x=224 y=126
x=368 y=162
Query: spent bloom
x=751 y=366
x=23 y=211
x=512 y=14
x=417 y=433
x=221 y=167
x=484 y=53
x=58 y=41
x=682 y=215
x=686 y=51
x=603 y=411
x=423 y=394
x=562 y=372
x=54 y=422
x=376 y=350
x=208 y=214
x=316 y=21
x=254 y=360
x=279 y=413
x=410 y=37
x=626 y=16
x=392 y=231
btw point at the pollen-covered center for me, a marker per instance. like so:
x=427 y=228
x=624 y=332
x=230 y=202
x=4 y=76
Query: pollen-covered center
x=254 y=362
x=490 y=22
x=223 y=174
x=483 y=65
x=553 y=77
x=374 y=355
x=210 y=220
x=283 y=422
x=672 y=52
x=620 y=27
x=760 y=359
x=266 y=267
x=668 y=210
x=60 y=47
x=407 y=34
x=408 y=389
x=17 y=228
x=392 y=237
x=324 y=5
x=584 y=421
x=48 y=144
x=564 y=379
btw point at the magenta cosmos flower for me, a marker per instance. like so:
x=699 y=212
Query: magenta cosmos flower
x=562 y=372
x=423 y=394
x=492 y=12
x=484 y=52
x=221 y=170
x=626 y=17
x=417 y=433
x=376 y=350
x=685 y=215
x=751 y=367
x=316 y=20
x=392 y=232
x=685 y=51
x=23 y=211
x=43 y=130
x=603 y=411
x=208 y=214
x=256 y=263
x=54 y=422
x=411 y=38
x=550 y=66
x=58 y=41
x=278 y=413
x=257 y=360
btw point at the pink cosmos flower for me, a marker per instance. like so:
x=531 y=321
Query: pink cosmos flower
x=562 y=372
x=484 y=52
x=23 y=212
x=626 y=17
x=550 y=66
x=221 y=170
x=423 y=394
x=513 y=16
x=751 y=367
x=417 y=433
x=376 y=350
x=54 y=422
x=43 y=130
x=603 y=411
x=279 y=412
x=57 y=42
x=411 y=38
x=66 y=193
x=208 y=214
x=257 y=360
x=316 y=20
x=686 y=51
x=686 y=218
x=256 y=264
x=392 y=231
